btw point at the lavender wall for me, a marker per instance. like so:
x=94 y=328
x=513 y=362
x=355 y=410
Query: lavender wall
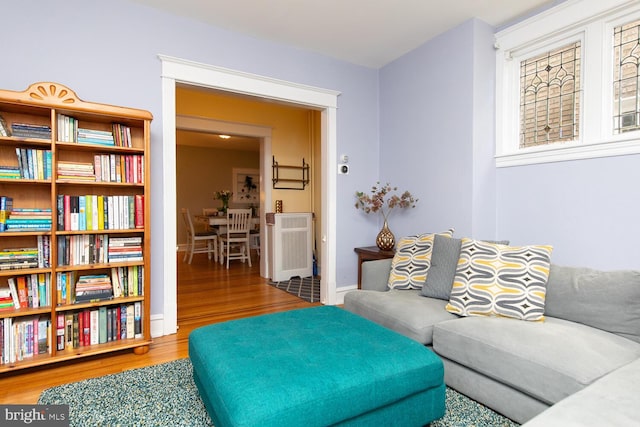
x=587 y=209
x=435 y=107
x=107 y=52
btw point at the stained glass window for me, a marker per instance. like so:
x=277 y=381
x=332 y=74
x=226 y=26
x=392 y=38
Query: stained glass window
x=550 y=97
x=626 y=96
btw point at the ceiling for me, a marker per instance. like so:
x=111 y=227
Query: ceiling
x=371 y=33
x=213 y=140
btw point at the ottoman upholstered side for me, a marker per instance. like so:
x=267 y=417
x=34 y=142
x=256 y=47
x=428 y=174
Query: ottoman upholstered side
x=314 y=367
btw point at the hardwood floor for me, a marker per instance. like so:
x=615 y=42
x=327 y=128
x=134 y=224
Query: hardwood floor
x=207 y=293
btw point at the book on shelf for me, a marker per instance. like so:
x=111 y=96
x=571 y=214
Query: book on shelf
x=93 y=136
x=24 y=337
x=28 y=257
x=95 y=287
x=34 y=163
x=121 y=249
x=13 y=287
x=94 y=328
x=137 y=319
x=119 y=168
x=27 y=130
x=67 y=128
x=99 y=325
x=82 y=249
x=9 y=172
x=39 y=256
x=129 y=279
x=5 y=130
x=78 y=171
x=68 y=330
x=6 y=205
x=75 y=330
x=30 y=291
x=102 y=327
x=28 y=219
x=65 y=287
x=99 y=212
x=93 y=295
x=122 y=135
x=6 y=299
x=60 y=329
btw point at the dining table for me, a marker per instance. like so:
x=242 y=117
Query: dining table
x=215 y=220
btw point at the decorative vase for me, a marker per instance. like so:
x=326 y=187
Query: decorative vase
x=225 y=205
x=385 y=240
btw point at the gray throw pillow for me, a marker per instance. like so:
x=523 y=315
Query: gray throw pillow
x=607 y=300
x=444 y=261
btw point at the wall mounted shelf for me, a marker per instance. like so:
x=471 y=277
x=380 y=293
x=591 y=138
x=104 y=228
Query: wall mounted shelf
x=286 y=177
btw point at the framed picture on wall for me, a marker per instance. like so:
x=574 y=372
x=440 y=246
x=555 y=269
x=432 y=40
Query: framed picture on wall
x=246 y=186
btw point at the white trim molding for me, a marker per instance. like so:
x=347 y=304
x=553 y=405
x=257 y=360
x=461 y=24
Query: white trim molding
x=176 y=70
x=591 y=22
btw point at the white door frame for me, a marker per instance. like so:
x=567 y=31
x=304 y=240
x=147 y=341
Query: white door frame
x=175 y=70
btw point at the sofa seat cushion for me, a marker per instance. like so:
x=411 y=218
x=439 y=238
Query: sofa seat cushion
x=404 y=311
x=547 y=360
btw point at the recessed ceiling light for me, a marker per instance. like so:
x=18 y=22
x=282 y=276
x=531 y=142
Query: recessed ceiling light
x=224 y=136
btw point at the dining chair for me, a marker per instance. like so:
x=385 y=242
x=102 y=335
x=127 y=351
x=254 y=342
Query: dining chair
x=235 y=243
x=254 y=236
x=196 y=239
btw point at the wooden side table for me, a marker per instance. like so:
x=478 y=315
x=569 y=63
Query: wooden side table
x=370 y=253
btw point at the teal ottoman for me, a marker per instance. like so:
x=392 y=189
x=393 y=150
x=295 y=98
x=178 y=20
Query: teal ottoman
x=316 y=366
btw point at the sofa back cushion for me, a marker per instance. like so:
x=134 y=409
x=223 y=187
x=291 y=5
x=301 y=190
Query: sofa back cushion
x=412 y=260
x=500 y=280
x=607 y=300
x=444 y=262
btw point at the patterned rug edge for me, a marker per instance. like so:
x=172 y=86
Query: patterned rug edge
x=306 y=288
x=166 y=394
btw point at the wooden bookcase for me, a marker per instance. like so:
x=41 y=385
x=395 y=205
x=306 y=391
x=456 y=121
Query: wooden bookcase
x=46 y=104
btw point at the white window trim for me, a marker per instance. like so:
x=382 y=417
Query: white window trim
x=592 y=22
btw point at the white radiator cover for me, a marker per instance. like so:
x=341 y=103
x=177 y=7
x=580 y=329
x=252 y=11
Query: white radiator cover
x=291 y=249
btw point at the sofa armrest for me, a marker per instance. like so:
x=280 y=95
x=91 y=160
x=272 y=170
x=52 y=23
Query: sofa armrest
x=375 y=274
x=611 y=400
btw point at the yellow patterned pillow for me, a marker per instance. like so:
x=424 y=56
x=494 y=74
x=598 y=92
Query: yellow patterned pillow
x=500 y=280
x=412 y=261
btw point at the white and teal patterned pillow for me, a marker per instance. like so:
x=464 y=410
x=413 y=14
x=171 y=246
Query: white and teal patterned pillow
x=500 y=280
x=412 y=260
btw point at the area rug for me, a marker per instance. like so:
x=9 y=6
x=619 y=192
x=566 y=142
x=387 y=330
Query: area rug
x=165 y=395
x=307 y=288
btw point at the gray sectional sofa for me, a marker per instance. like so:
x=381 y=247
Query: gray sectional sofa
x=578 y=367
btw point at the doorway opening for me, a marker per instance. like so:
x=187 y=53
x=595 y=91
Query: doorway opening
x=176 y=71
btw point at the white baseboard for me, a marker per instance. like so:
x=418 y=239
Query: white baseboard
x=157 y=325
x=340 y=292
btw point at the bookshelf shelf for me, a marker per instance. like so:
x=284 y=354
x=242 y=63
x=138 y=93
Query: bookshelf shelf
x=131 y=231
x=23 y=271
x=98 y=266
x=51 y=142
x=81 y=306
